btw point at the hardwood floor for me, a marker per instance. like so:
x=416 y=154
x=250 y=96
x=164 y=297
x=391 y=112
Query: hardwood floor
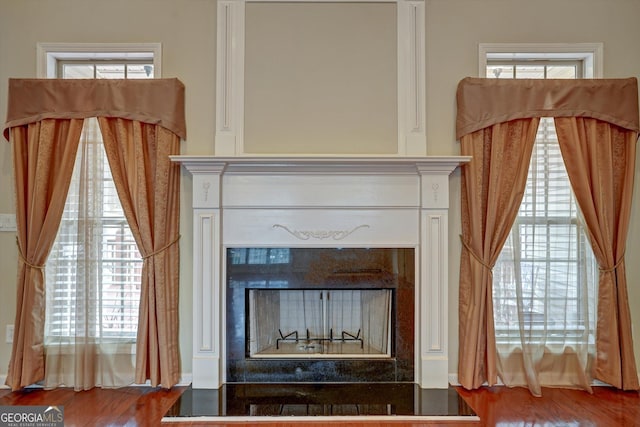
x=496 y=406
x=129 y=406
x=515 y=407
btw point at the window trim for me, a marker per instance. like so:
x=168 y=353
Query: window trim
x=48 y=54
x=591 y=54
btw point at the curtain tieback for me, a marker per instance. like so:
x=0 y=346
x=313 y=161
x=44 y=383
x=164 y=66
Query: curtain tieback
x=24 y=259
x=162 y=249
x=615 y=267
x=474 y=255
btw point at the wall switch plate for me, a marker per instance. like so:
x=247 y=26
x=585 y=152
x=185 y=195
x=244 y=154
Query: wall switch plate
x=8 y=222
x=10 y=329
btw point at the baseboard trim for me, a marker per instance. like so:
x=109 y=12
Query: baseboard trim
x=453 y=379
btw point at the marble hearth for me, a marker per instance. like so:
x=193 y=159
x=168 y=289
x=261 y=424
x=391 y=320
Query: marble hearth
x=396 y=203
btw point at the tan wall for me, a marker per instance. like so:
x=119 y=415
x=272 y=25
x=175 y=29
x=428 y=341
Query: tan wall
x=186 y=29
x=320 y=78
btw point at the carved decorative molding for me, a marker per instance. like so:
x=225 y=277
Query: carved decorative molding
x=205 y=189
x=319 y=234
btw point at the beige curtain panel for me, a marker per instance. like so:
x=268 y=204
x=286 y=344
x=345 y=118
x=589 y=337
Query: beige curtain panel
x=490 y=203
x=148 y=186
x=144 y=121
x=600 y=160
x=597 y=123
x=43 y=157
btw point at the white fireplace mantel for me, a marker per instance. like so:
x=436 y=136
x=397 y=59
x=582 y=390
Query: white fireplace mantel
x=288 y=201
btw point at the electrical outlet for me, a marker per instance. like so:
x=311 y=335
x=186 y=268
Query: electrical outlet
x=10 y=334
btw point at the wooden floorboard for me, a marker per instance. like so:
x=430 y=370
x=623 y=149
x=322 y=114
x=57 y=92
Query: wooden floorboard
x=496 y=406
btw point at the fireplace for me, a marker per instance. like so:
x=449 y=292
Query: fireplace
x=390 y=214
x=320 y=314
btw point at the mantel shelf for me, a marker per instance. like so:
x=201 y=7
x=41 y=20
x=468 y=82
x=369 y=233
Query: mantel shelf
x=321 y=164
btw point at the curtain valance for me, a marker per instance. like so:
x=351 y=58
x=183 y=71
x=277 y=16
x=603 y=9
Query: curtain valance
x=154 y=101
x=485 y=102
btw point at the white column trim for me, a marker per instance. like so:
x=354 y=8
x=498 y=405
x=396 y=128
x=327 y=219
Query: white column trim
x=208 y=335
x=433 y=367
x=229 y=140
x=434 y=357
x=411 y=78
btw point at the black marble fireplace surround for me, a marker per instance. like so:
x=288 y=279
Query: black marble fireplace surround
x=326 y=269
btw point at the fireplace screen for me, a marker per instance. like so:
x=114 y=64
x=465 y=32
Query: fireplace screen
x=285 y=323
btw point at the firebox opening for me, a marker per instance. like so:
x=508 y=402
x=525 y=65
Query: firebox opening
x=320 y=314
x=319 y=323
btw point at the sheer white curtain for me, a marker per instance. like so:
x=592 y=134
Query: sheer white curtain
x=264 y=321
x=545 y=281
x=93 y=281
x=376 y=320
x=345 y=312
x=312 y=315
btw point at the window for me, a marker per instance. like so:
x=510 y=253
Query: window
x=93 y=271
x=105 y=69
x=546 y=264
x=51 y=55
x=534 y=69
